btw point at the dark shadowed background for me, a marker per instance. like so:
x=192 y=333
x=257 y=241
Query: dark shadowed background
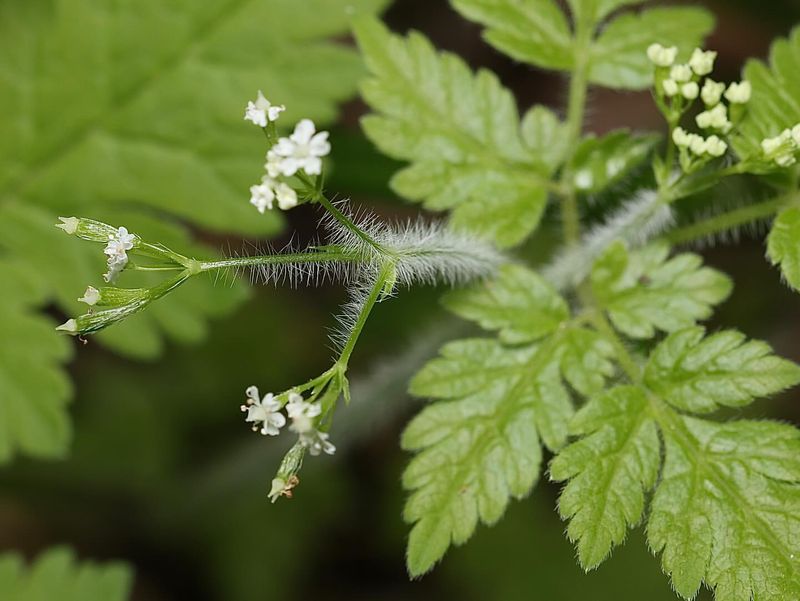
x=165 y=474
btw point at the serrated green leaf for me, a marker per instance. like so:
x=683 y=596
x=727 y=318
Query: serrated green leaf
x=132 y=111
x=546 y=136
x=481 y=446
x=533 y=31
x=775 y=103
x=618 y=58
x=518 y=303
x=594 y=11
x=725 y=512
x=609 y=471
x=783 y=245
x=537 y=32
x=56 y=575
x=644 y=291
x=601 y=162
x=701 y=374
x=585 y=359
x=461 y=133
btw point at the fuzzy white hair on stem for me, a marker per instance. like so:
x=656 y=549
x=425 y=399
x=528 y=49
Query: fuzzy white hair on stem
x=636 y=222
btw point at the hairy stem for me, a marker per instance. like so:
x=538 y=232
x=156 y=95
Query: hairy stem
x=369 y=303
x=328 y=255
x=726 y=221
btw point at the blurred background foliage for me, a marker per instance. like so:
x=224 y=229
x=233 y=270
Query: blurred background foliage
x=162 y=471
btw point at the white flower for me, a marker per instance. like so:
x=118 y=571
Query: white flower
x=670 y=87
x=269 y=190
x=681 y=73
x=690 y=90
x=265 y=411
x=302 y=413
x=317 y=442
x=117 y=251
x=712 y=92
x=681 y=137
x=702 y=63
x=91 y=296
x=660 y=56
x=739 y=93
x=716 y=118
x=262 y=111
x=303 y=150
x=715 y=146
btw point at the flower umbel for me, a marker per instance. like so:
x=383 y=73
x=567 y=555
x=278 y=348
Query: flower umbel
x=265 y=411
x=262 y=111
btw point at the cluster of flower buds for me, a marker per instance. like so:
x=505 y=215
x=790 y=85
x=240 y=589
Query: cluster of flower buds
x=116 y=304
x=302 y=151
x=679 y=85
x=783 y=148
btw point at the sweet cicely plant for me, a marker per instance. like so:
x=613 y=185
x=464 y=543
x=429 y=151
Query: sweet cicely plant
x=594 y=369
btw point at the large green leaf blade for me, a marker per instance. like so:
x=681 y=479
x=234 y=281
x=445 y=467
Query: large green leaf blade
x=56 y=575
x=533 y=31
x=480 y=447
x=460 y=131
x=644 y=290
x=131 y=111
x=775 y=104
x=700 y=374
x=783 y=245
x=618 y=58
x=609 y=471
x=518 y=302
x=726 y=509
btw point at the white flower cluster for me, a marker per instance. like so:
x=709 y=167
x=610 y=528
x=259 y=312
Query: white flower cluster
x=713 y=146
x=303 y=151
x=116 y=250
x=266 y=417
x=681 y=83
x=783 y=148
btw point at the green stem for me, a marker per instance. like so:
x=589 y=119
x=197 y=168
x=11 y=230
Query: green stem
x=576 y=109
x=322 y=256
x=726 y=221
x=369 y=303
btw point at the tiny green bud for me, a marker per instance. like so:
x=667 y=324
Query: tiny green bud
x=68 y=224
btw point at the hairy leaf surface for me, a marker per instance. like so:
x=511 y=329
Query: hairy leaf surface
x=645 y=290
x=700 y=374
x=725 y=508
x=609 y=471
x=537 y=32
x=478 y=445
x=462 y=134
